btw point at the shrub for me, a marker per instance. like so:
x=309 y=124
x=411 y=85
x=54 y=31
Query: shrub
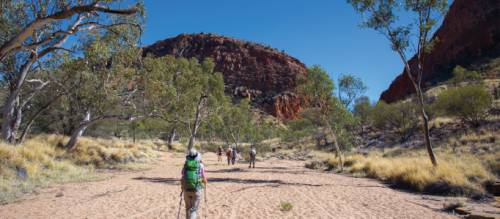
x=460 y=74
x=361 y=111
x=297 y=130
x=469 y=103
x=401 y=118
x=286 y=206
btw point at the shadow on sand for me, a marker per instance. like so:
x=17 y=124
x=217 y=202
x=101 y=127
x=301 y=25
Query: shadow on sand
x=232 y=170
x=175 y=181
x=266 y=183
x=171 y=181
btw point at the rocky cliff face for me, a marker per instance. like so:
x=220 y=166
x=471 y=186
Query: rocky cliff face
x=470 y=33
x=266 y=76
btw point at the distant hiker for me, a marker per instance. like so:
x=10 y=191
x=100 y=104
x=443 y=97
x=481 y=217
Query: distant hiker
x=252 y=154
x=193 y=182
x=229 y=154
x=219 y=153
x=234 y=155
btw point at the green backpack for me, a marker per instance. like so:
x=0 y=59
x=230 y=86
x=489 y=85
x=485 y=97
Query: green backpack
x=192 y=179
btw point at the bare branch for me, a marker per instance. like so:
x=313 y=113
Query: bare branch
x=15 y=43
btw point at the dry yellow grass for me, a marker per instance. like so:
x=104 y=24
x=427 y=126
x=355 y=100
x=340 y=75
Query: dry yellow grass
x=455 y=175
x=40 y=162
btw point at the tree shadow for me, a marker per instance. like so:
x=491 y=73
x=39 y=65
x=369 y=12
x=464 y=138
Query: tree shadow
x=232 y=170
x=295 y=172
x=260 y=181
x=266 y=183
x=171 y=181
x=176 y=181
x=254 y=187
x=272 y=168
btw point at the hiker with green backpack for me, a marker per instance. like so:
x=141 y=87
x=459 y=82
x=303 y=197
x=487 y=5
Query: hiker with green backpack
x=193 y=182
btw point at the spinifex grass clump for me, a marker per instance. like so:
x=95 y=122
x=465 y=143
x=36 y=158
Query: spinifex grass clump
x=39 y=162
x=455 y=175
x=286 y=206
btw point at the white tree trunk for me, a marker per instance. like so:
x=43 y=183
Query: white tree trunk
x=9 y=108
x=197 y=122
x=78 y=131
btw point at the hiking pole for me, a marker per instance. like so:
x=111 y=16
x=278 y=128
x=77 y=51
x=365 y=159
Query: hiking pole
x=180 y=204
x=206 y=203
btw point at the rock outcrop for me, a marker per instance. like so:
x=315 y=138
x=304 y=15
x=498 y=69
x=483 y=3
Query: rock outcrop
x=267 y=76
x=470 y=33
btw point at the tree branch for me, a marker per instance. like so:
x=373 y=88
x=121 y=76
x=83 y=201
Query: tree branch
x=16 y=42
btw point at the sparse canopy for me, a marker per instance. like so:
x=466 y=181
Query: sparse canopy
x=317 y=89
x=350 y=88
x=406 y=38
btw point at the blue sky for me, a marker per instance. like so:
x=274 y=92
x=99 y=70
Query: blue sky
x=324 y=32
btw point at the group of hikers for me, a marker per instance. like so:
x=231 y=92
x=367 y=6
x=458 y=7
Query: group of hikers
x=232 y=154
x=194 y=179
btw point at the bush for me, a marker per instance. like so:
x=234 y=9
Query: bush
x=286 y=206
x=361 y=111
x=461 y=74
x=469 y=103
x=297 y=130
x=401 y=118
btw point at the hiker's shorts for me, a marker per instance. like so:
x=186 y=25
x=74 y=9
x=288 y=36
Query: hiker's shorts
x=252 y=158
x=192 y=200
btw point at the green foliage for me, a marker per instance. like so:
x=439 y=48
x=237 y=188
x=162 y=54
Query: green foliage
x=361 y=110
x=469 y=103
x=326 y=110
x=343 y=123
x=350 y=87
x=286 y=206
x=96 y=84
x=299 y=129
x=382 y=16
x=400 y=118
x=461 y=74
x=235 y=123
x=316 y=86
x=182 y=92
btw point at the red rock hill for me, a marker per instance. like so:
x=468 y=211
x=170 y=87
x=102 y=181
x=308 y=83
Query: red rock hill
x=267 y=76
x=470 y=33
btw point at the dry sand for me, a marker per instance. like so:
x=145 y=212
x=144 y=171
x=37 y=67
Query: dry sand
x=233 y=192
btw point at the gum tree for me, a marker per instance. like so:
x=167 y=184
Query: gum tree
x=32 y=31
x=182 y=92
x=317 y=88
x=414 y=37
x=98 y=86
x=350 y=88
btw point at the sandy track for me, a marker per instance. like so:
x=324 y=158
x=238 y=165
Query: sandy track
x=234 y=192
